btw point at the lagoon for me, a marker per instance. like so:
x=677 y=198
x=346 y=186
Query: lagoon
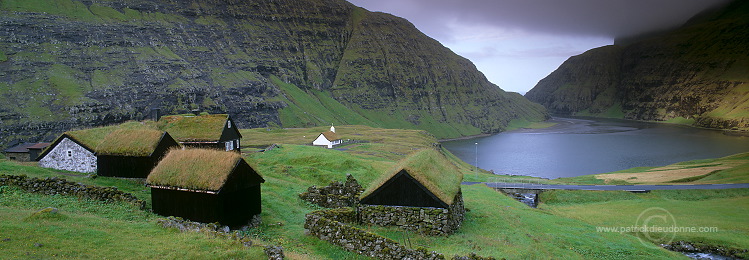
x=582 y=146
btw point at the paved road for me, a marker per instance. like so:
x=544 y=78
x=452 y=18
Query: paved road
x=609 y=187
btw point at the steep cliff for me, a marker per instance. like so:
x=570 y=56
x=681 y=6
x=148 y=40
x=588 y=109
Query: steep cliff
x=697 y=74
x=74 y=63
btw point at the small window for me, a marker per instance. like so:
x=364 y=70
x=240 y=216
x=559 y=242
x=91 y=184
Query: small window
x=230 y=145
x=228 y=124
x=70 y=153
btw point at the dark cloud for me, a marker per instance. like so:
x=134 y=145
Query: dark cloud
x=609 y=18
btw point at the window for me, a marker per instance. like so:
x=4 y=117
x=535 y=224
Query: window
x=228 y=124
x=70 y=153
x=237 y=144
x=229 y=145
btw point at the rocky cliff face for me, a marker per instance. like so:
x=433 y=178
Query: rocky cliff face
x=74 y=63
x=697 y=74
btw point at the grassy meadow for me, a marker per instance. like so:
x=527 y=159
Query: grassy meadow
x=721 y=214
x=729 y=169
x=564 y=226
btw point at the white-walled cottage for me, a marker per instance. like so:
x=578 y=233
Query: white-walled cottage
x=328 y=139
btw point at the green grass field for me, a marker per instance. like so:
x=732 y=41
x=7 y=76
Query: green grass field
x=563 y=227
x=723 y=210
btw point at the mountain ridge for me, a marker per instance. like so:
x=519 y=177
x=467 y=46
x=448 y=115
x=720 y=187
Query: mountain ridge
x=77 y=63
x=696 y=74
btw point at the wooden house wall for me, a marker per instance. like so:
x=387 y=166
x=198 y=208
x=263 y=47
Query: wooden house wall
x=134 y=166
x=230 y=133
x=403 y=190
x=34 y=154
x=21 y=157
x=217 y=146
x=230 y=208
x=125 y=166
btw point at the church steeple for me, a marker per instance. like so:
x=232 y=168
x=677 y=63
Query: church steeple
x=332 y=128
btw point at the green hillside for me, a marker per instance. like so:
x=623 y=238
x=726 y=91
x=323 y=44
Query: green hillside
x=72 y=63
x=697 y=74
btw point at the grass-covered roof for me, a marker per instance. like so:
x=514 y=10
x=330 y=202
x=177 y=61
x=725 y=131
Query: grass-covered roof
x=331 y=136
x=196 y=169
x=191 y=128
x=93 y=137
x=432 y=169
x=130 y=142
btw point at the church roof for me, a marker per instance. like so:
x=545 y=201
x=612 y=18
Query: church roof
x=331 y=136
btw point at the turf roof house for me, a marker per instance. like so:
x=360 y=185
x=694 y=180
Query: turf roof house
x=81 y=150
x=327 y=139
x=25 y=152
x=206 y=185
x=216 y=131
x=132 y=153
x=421 y=193
x=74 y=150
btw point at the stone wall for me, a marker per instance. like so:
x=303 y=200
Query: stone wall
x=331 y=225
x=425 y=220
x=327 y=225
x=335 y=195
x=54 y=186
x=69 y=156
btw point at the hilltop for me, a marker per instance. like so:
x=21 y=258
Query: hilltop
x=696 y=74
x=66 y=64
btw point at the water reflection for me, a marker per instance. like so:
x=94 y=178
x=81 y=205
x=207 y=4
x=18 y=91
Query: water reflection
x=578 y=146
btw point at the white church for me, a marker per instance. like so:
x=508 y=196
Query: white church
x=328 y=139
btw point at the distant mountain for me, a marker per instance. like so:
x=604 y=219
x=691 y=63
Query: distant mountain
x=75 y=63
x=696 y=74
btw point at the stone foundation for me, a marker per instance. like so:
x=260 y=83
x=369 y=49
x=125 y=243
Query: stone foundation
x=425 y=220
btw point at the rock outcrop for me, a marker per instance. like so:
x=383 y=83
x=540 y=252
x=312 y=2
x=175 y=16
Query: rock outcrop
x=696 y=74
x=76 y=63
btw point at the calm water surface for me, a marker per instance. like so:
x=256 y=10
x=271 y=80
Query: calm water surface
x=576 y=147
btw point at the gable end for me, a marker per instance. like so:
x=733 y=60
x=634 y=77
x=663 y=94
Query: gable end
x=403 y=190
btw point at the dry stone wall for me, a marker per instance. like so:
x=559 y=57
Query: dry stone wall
x=331 y=225
x=425 y=220
x=55 y=186
x=327 y=225
x=335 y=195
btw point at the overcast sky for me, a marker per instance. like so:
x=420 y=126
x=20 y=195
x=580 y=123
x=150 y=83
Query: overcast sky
x=516 y=43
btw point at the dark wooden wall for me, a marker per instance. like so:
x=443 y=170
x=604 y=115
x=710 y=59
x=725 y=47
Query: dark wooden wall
x=233 y=209
x=124 y=166
x=134 y=166
x=403 y=190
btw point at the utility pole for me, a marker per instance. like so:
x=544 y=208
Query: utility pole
x=476 y=168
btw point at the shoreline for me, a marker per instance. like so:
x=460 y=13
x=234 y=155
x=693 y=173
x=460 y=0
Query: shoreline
x=465 y=137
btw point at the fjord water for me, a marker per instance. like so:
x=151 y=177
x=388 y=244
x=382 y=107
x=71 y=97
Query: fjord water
x=581 y=146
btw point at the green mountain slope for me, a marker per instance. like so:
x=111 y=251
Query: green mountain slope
x=74 y=63
x=697 y=74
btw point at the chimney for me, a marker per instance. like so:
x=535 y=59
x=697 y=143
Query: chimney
x=155 y=114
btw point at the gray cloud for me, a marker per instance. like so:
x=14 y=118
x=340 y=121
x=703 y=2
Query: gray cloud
x=609 y=18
